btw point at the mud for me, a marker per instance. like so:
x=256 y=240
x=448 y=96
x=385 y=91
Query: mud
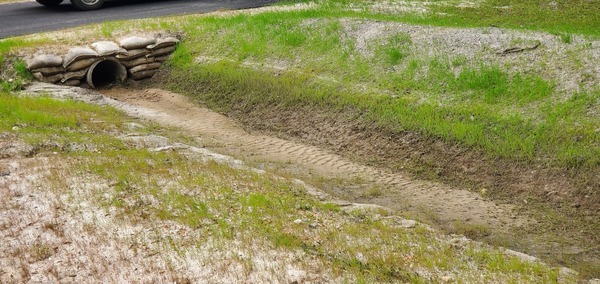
x=448 y=203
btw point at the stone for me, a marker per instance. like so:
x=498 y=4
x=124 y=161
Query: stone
x=408 y=224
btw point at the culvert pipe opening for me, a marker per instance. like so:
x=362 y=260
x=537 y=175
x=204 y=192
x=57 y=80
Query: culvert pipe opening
x=106 y=72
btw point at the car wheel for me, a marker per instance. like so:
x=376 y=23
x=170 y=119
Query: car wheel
x=49 y=3
x=87 y=4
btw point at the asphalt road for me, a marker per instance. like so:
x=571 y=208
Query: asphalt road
x=30 y=17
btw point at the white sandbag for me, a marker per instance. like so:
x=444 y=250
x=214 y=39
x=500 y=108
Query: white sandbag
x=49 y=70
x=72 y=82
x=162 y=51
x=108 y=48
x=163 y=42
x=81 y=64
x=144 y=67
x=143 y=74
x=47 y=79
x=77 y=75
x=133 y=54
x=136 y=42
x=78 y=53
x=138 y=61
x=44 y=60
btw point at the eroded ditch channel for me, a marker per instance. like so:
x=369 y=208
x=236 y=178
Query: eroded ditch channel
x=445 y=205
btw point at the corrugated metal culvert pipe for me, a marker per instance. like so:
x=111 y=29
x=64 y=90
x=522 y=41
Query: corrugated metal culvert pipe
x=106 y=72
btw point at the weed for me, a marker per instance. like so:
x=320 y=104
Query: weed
x=471 y=231
x=566 y=38
x=372 y=192
x=41 y=251
x=21 y=69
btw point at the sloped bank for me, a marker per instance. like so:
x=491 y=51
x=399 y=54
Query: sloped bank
x=556 y=197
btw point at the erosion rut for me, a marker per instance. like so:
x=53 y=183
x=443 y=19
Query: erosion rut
x=400 y=192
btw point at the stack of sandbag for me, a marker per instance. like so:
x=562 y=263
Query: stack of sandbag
x=76 y=64
x=46 y=68
x=141 y=56
x=145 y=55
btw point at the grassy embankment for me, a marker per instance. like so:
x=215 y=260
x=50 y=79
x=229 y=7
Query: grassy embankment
x=514 y=112
x=229 y=206
x=518 y=116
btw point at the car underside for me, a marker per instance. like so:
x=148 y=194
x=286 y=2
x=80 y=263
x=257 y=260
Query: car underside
x=80 y=4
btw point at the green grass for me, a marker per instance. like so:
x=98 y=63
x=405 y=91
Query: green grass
x=514 y=115
x=566 y=16
x=512 y=136
x=35 y=120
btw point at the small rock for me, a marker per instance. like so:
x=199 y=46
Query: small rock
x=447 y=279
x=298 y=221
x=296 y=275
x=459 y=241
x=313 y=225
x=408 y=224
x=15 y=128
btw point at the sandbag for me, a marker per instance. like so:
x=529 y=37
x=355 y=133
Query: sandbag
x=38 y=76
x=47 y=79
x=136 y=42
x=46 y=71
x=138 y=61
x=133 y=54
x=161 y=58
x=108 y=48
x=144 y=67
x=143 y=74
x=163 y=42
x=162 y=51
x=44 y=60
x=81 y=64
x=78 y=53
x=72 y=82
x=78 y=75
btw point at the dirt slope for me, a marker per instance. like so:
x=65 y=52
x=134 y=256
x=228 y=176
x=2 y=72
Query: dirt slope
x=449 y=204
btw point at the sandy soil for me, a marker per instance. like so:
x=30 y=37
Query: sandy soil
x=449 y=204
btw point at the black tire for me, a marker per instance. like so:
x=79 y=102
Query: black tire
x=50 y=3
x=87 y=5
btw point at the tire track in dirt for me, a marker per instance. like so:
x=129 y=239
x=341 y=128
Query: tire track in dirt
x=400 y=192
